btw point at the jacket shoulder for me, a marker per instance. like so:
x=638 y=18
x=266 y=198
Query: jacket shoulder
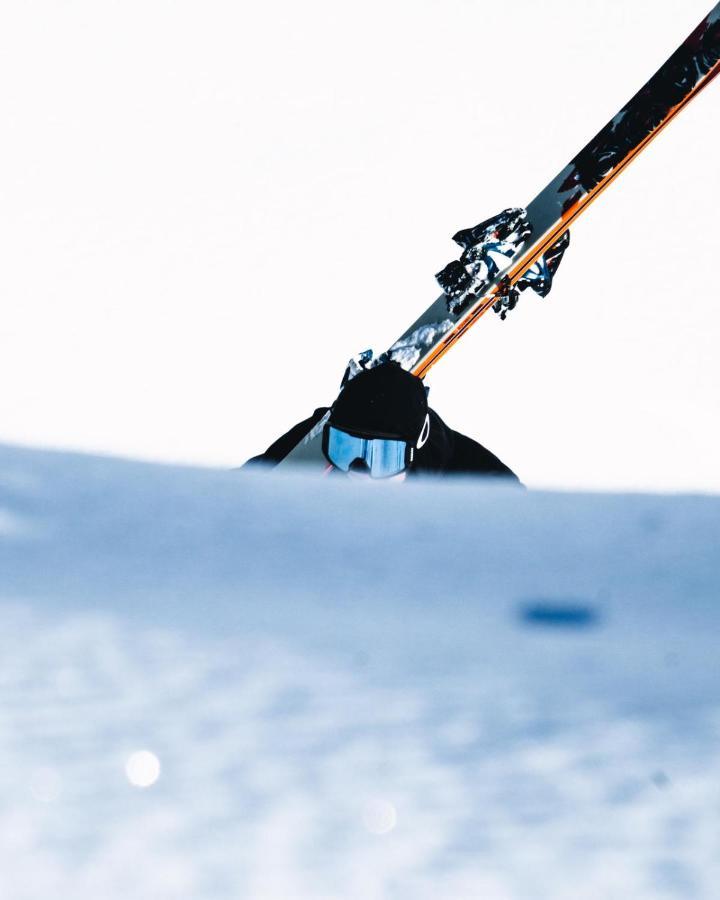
x=471 y=457
x=450 y=452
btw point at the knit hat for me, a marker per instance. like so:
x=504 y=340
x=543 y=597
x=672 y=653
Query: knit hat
x=385 y=401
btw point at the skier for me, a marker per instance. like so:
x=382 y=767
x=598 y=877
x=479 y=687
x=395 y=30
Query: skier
x=381 y=426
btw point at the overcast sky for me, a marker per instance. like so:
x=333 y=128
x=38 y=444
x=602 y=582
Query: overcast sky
x=206 y=208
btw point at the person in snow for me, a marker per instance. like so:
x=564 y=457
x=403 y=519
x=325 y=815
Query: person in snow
x=381 y=426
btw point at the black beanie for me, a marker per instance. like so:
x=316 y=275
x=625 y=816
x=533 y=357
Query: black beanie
x=385 y=401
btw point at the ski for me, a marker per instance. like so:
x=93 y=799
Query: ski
x=522 y=247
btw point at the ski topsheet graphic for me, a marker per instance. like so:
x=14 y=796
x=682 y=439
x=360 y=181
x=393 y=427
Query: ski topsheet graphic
x=522 y=248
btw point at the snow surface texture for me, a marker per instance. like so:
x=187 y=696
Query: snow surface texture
x=420 y=691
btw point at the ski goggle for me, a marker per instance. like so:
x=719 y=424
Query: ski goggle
x=384 y=457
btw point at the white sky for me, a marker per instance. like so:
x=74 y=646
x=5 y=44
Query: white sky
x=207 y=207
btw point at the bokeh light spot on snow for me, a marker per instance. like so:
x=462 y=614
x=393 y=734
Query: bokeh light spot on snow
x=142 y=768
x=379 y=817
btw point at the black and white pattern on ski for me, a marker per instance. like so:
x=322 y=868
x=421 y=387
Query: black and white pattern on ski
x=648 y=109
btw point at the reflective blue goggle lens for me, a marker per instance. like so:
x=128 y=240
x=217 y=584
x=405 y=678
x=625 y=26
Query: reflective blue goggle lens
x=384 y=457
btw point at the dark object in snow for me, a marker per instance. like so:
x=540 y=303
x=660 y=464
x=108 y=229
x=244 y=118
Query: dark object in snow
x=559 y=614
x=661 y=780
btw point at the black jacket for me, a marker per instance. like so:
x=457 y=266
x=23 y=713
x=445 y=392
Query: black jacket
x=446 y=451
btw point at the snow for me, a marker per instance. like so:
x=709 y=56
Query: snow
x=222 y=684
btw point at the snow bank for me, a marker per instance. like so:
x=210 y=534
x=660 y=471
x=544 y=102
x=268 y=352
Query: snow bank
x=409 y=691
